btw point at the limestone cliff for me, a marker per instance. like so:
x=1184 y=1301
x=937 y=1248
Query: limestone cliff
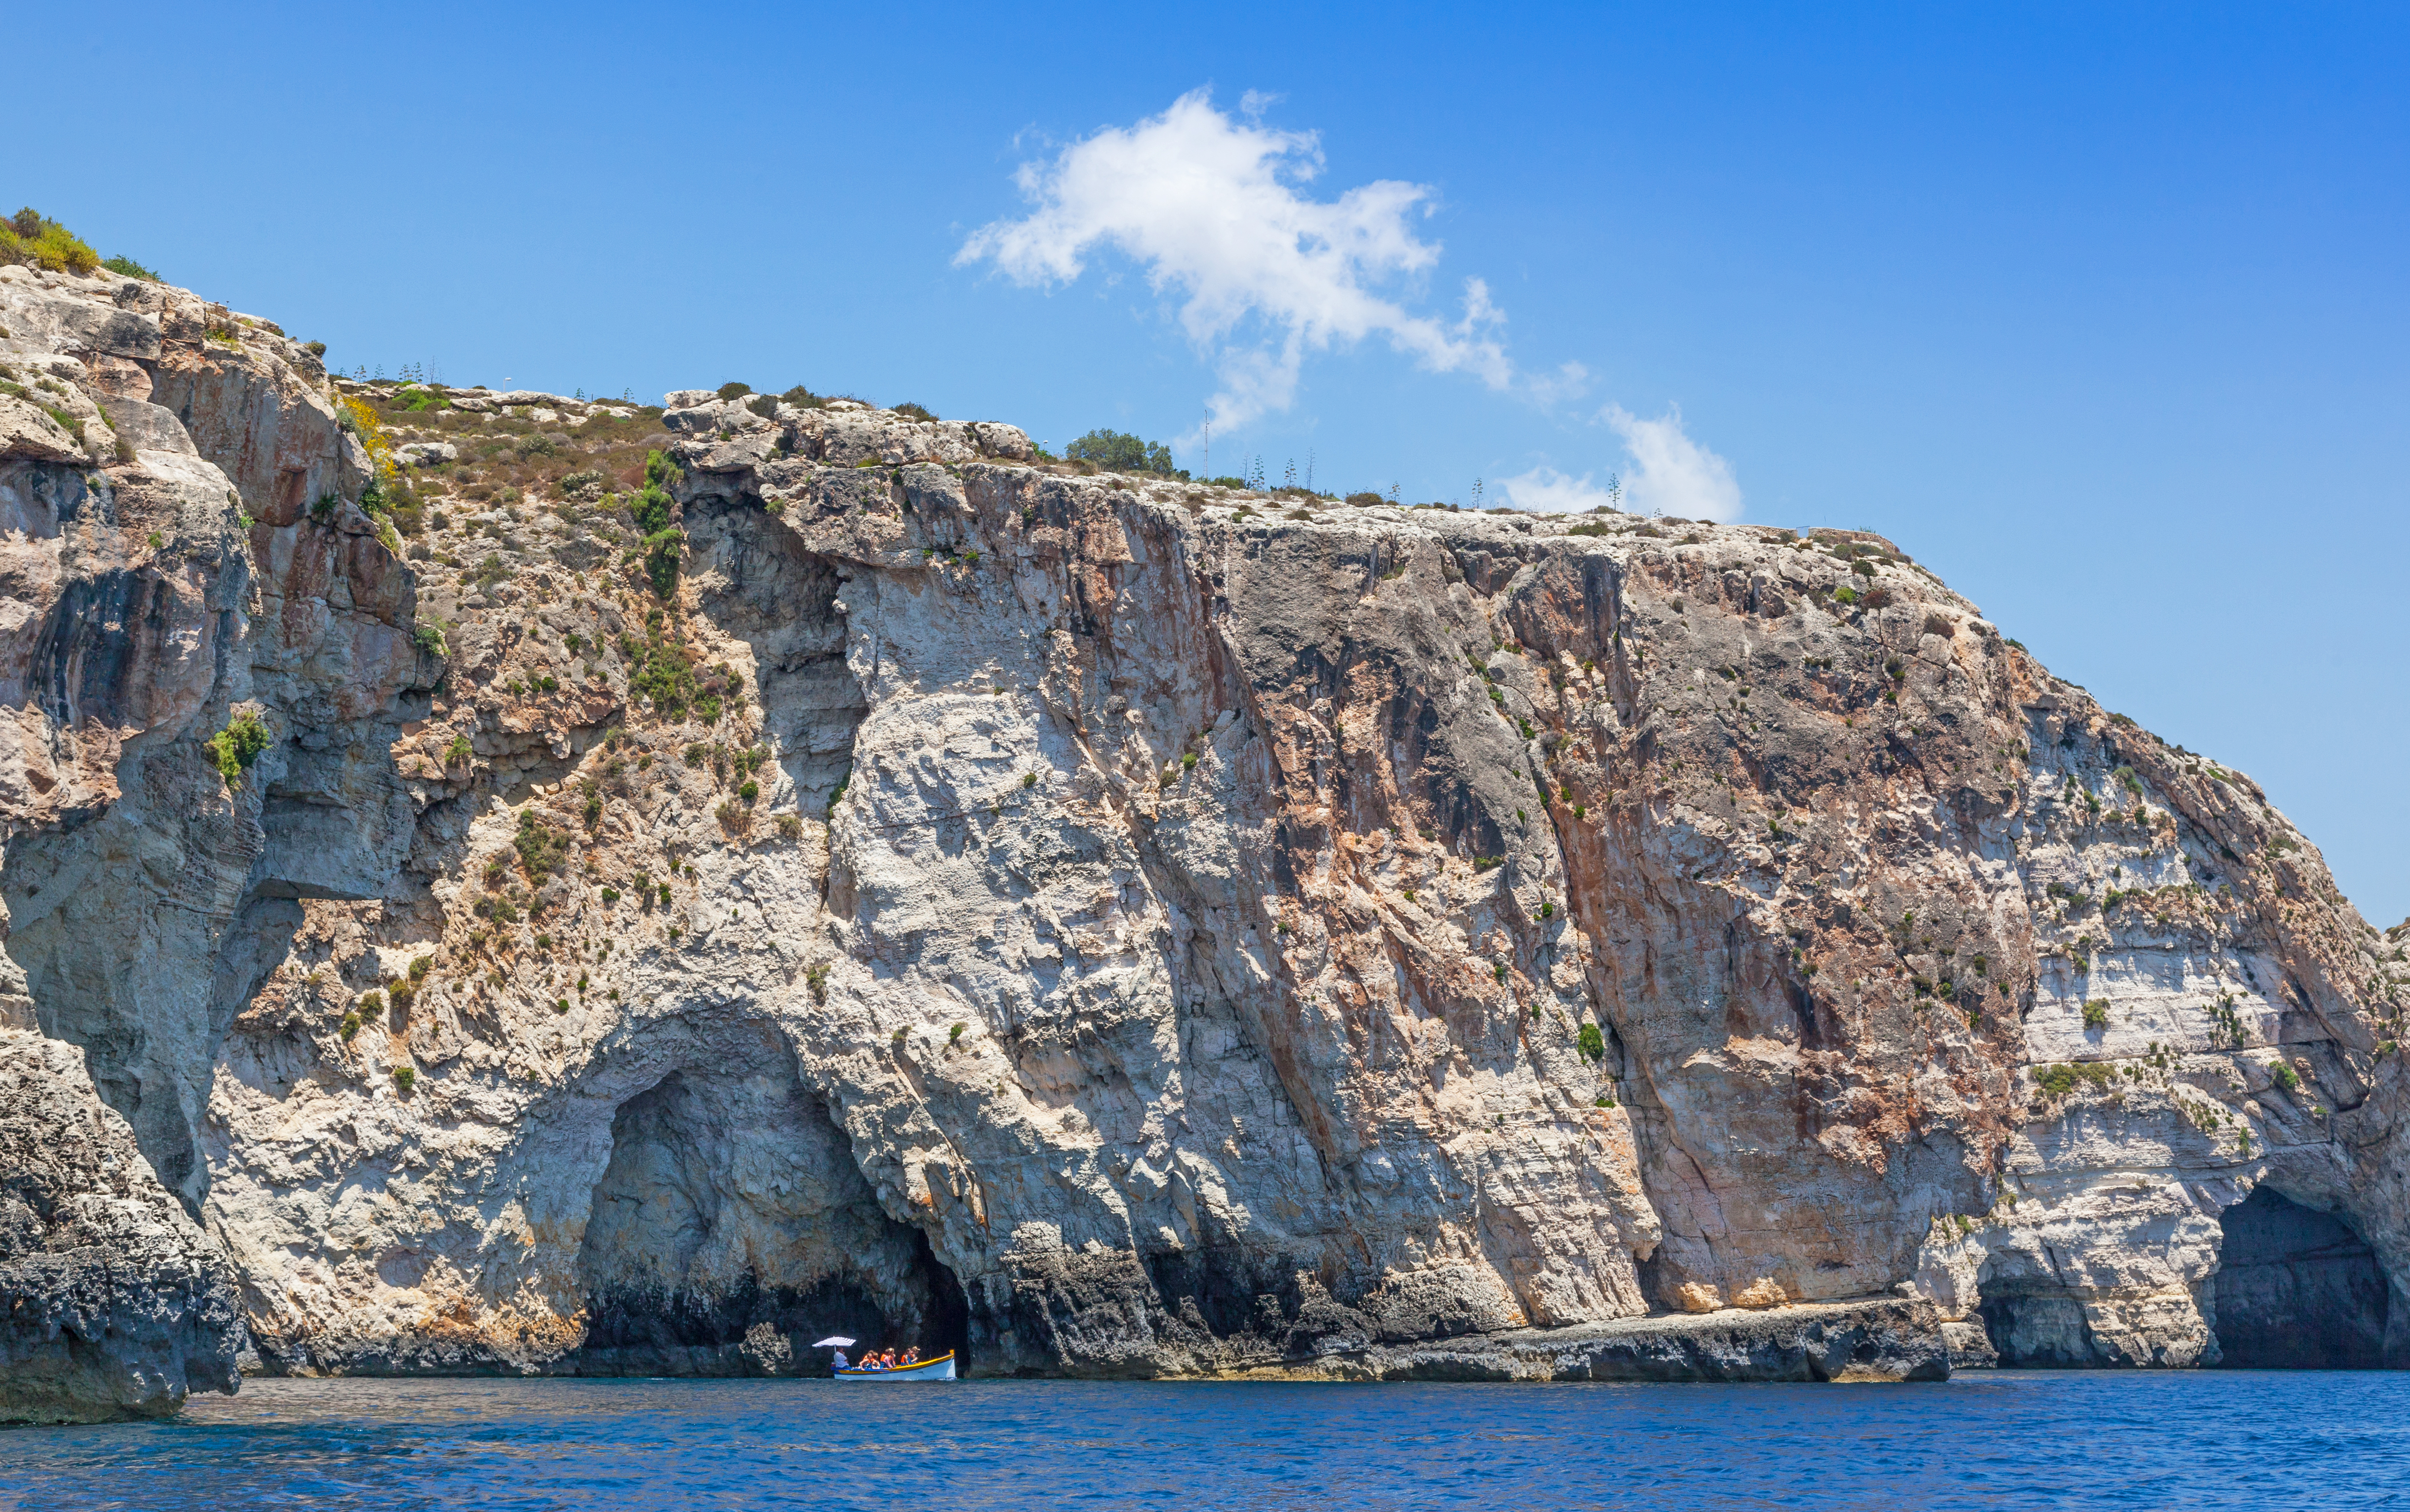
x=847 y=872
x=152 y=596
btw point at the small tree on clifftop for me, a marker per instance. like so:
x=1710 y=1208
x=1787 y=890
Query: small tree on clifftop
x=1113 y=452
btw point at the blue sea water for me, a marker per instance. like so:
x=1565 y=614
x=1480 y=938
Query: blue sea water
x=2011 y=1439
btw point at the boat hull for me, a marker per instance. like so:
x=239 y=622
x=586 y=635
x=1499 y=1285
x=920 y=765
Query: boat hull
x=940 y=1369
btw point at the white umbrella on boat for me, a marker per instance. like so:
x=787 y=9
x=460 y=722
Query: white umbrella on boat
x=834 y=1341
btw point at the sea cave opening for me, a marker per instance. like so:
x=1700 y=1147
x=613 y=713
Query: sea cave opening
x=725 y=1237
x=2297 y=1289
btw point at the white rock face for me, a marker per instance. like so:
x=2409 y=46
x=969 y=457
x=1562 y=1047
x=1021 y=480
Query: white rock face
x=1118 y=927
x=2163 y=1006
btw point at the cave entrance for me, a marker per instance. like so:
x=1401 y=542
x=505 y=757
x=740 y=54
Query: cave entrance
x=946 y=1316
x=2036 y=1327
x=2296 y=1290
x=731 y=1228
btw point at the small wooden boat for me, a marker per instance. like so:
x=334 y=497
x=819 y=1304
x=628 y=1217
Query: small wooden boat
x=940 y=1369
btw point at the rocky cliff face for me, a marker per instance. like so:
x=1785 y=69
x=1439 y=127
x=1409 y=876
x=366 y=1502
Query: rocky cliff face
x=152 y=596
x=877 y=881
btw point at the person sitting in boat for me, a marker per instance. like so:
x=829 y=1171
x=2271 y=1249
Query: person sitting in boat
x=912 y=1357
x=840 y=1361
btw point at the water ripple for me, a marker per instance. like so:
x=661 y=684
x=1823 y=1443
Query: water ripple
x=2015 y=1439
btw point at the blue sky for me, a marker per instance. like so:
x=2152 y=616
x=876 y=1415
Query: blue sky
x=2097 y=311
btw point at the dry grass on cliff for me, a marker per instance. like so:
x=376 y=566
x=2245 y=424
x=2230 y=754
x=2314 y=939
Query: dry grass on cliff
x=511 y=462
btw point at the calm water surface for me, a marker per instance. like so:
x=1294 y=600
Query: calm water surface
x=2185 y=1439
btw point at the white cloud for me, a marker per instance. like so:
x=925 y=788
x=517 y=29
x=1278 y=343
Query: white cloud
x=1210 y=207
x=1671 y=474
x=1549 y=491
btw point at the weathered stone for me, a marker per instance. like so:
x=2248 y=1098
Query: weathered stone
x=1882 y=1340
x=116 y=1304
x=28 y=431
x=1121 y=927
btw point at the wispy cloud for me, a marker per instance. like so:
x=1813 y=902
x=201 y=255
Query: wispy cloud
x=1547 y=490
x=1671 y=474
x=1212 y=208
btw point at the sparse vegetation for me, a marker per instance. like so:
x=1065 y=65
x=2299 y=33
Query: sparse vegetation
x=542 y=850
x=2058 y=1081
x=662 y=670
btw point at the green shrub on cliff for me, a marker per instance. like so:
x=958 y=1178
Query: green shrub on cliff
x=660 y=670
x=29 y=239
x=542 y=850
x=663 y=554
x=236 y=746
x=652 y=503
x=663 y=544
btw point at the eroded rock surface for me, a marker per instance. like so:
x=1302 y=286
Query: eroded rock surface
x=118 y=1304
x=878 y=882
x=150 y=601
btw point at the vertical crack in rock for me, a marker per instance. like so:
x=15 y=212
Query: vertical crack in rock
x=759 y=585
